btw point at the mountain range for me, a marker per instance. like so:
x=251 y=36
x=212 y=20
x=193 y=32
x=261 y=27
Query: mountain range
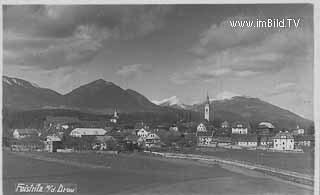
x=98 y=96
x=101 y=96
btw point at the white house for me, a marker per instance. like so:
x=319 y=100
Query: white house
x=143 y=133
x=298 y=131
x=201 y=127
x=79 y=132
x=239 y=128
x=283 y=141
x=152 y=140
x=248 y=141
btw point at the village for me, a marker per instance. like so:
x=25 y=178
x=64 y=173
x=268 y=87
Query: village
x=67 y=134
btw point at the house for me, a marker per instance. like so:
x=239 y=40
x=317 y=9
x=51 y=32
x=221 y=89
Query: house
x=152 y=140
x=283 y=141
x=239 y=128
x=304 y=140
x=24 y=133
x=298 y=131
x=52 y=143
x=205 y=138
x=201 y=127
x=248 y=141
x=142 y=133
x=79 y=132
x=265 y=129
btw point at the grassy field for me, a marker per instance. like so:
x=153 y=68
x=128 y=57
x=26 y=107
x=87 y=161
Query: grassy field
x=298 y=162
x=136 y=174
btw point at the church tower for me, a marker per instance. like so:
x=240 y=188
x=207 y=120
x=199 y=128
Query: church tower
x=115 y=113
x=207 y=109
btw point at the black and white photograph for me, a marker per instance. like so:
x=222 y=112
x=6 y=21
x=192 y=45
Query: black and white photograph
x=159 y=98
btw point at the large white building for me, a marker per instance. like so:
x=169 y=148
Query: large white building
x=283 y=141
x=239 y=128
x=79 y=132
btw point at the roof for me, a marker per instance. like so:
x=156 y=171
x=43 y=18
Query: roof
x=287 y=134
x=89 y=131
x=266 y=125
x=53 y=138
x=27 y=131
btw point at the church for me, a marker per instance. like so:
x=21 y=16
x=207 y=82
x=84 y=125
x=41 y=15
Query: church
x=205 y=129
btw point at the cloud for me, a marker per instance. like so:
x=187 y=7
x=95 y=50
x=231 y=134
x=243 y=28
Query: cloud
x=132 y=70
x=282 y=88
x=53 y=36
x=247 y=52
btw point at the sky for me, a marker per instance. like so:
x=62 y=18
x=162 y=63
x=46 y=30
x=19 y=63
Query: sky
x=165 y=50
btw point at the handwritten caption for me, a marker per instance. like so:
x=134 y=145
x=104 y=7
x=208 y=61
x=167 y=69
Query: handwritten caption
x=46 y=187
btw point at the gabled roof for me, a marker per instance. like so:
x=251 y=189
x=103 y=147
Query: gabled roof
x=266 y=125
x=53 y=138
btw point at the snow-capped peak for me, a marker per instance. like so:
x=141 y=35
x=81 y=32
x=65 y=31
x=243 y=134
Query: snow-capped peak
x=14 y=81
x=6 y=80
x=171 y=101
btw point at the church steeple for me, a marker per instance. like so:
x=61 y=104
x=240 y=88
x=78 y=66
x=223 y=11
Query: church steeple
x=208 y=99
x=207 y=109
